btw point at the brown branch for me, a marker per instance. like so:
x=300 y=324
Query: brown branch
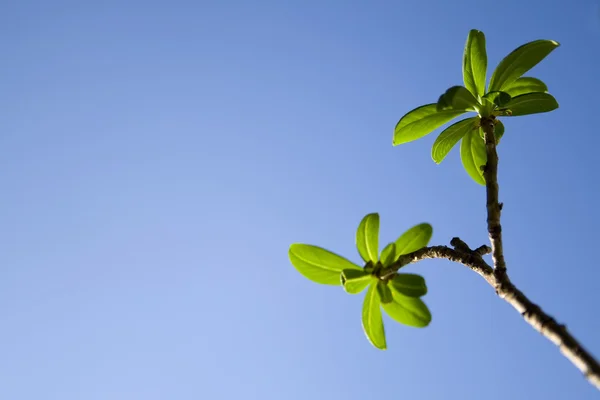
x=460 y=254
x=490 y=173
x=531 y=312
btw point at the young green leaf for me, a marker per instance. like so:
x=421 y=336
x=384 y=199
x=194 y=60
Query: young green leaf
x=421 y=121
x=475 y=63
x=367 y=238
x=384 y=292
x=473 y=155
x=526 y=85
x=457 y=98
x=531 y=103
x=319 y=265
x=388 y=254
x=498 y=131
x=355 y=281
x=414 y=239
x=372 y=320
x=498 y=98
x=409 y=311
x=410 y=285
x=519 y=61
x=450 y=136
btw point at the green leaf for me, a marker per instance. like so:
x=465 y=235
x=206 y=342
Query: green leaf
x=319 y=265
x=475 y=63
x=519 y=61
x=409 y=311
x=421 y=121
x=384 y=292
x=388 y=254
x=450 y=136
x=355 y=281
x=372 y=320
x=414 y=239
x=498 y=131
x=457 y=98
x=473 y=155
x=367 y=238
x=526 y=85
x=410 y=285
x=531 y=103
x=498 y=98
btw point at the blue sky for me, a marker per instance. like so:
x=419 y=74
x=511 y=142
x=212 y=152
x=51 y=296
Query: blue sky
x=158 y=159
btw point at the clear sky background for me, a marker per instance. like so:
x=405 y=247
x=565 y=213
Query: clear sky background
x=158 y=158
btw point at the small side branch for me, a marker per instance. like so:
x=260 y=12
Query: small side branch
x=461 y=253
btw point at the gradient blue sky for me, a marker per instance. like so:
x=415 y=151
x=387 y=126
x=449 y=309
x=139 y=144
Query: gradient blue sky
x=158 y=158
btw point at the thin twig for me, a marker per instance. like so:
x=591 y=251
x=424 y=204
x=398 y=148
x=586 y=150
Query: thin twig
x=467 y=258
x=490 y=173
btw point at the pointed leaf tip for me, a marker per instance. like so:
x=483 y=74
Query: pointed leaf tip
x=519 y=61
x=475 y=63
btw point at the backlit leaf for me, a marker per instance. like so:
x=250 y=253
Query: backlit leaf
x=475 y=63
x=422 y=121
x=319 y=265
x=498 y=131
x=526 y=85
x=519 y=61
x=498 y=98
x=385 y=294
x=410 y=311
x=531 y=103
x=473 y=155
x=414 y=239
x=457 y=98
x=367 y=238
x=372 y=320
x=450 y=136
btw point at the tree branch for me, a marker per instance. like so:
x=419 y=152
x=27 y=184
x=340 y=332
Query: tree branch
x=531 y=312
x=490 y=173
x=461 y=253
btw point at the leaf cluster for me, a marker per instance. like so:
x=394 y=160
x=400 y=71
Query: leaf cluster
x=509 y=94
x=398 y=294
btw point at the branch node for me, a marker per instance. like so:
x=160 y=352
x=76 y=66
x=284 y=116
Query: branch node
x=483 y=250
x=460 y=245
